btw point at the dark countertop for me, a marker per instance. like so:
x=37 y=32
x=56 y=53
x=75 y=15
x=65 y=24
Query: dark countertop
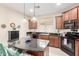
x=33 y=45
x=54 y=33
x=44 y=33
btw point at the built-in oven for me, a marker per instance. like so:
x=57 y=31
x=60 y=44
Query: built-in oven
x=68 y=44
x=71 y=24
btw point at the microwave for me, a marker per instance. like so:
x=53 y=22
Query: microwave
x=71 y=24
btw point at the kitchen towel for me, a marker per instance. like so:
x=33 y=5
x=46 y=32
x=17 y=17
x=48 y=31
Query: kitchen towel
x=65 y=41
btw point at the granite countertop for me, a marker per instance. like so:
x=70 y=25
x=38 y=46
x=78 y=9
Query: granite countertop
x=45 y=33
x=54 y=33
x=34 y=45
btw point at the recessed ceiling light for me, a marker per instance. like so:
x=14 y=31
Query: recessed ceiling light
x=31 y=10
x=58 y=4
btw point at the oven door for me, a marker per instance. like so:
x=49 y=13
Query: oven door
x=68 y=46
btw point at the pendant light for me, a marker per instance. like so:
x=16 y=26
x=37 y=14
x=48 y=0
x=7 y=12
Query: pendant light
x=24 y=14
x=34 y=17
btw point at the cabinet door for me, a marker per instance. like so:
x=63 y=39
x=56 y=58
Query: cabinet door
x=78 y=13
x=32 y=24
x=70 y=15
x=51 y=41
x=54 y=41
x=78 y=17
x=76 y=48
x=59 y=22
x=66 y=16
x=56 y=44
x=74 y=14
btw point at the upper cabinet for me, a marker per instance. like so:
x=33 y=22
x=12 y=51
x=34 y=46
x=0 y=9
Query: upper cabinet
x=59 y=22
x=74 y=15
x=71 y=14
x=78 y=13
x=66 y=16
x=32 y=24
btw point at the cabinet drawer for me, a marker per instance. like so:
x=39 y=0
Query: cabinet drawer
x=45 y=37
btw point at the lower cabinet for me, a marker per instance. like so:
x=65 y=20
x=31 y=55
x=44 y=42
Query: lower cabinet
x=54 y=41
x=77 y=47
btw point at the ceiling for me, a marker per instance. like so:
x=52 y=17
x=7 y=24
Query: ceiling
x=45 y=8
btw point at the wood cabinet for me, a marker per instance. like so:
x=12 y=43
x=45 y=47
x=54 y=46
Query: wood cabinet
x=32 y=24
x=77 y=47
x=66 y=16
x=74 y=14
x=54 y=41
x=44 y=37
x=78 y=13
x=71 y=14
x=51 y=42
x=59 y=22
x=78 y=17
x=36 y=53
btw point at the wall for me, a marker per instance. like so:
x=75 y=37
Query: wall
x=8 y=16
x=47 y=24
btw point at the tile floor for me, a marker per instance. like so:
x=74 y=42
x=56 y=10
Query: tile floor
x=51 y=51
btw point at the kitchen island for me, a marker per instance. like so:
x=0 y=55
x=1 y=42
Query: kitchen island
x=35 y=47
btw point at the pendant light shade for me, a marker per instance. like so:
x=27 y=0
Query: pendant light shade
x=24 y=20
x=34 y=18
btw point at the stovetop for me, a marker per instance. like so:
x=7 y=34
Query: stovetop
x=72 y=35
